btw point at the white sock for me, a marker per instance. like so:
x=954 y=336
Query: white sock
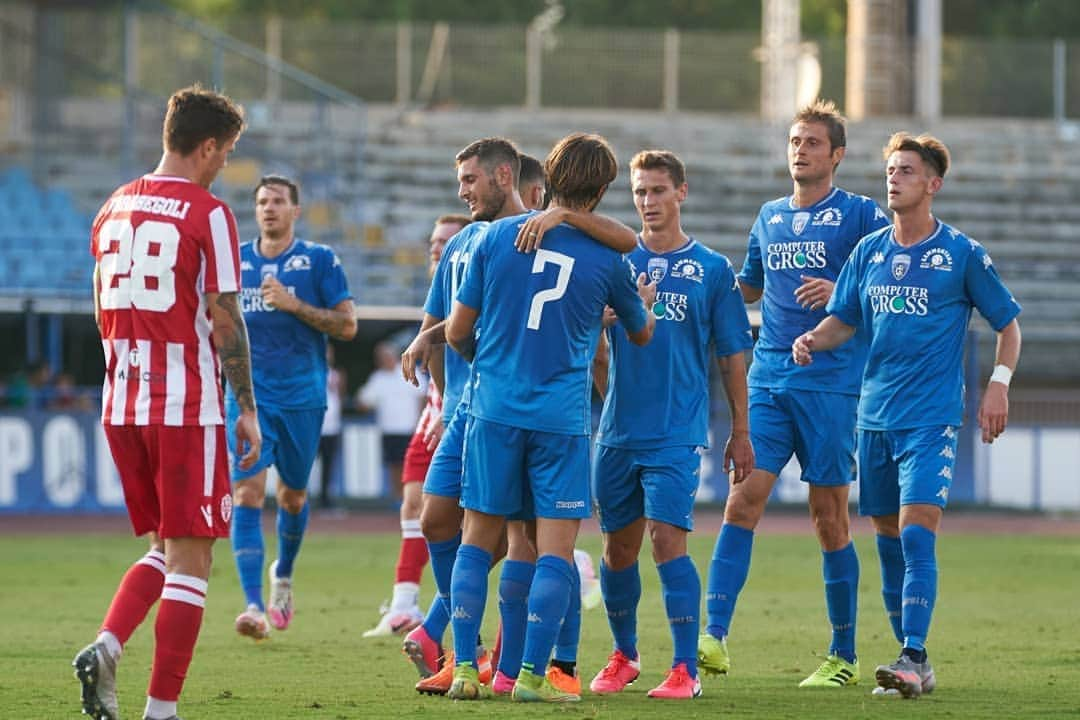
x=111 y=643
x=159 y=709
x=406 y=596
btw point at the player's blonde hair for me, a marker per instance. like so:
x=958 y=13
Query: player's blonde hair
x=933 y=152
x=825 y=112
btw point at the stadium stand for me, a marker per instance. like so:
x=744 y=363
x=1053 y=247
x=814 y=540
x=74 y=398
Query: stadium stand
x=43 y=238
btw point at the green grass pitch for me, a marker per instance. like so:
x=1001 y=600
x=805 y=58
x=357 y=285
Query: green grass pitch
x=1005 y=640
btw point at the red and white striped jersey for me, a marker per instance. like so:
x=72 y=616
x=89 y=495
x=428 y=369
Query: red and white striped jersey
x=432 y=408
x=162 y=243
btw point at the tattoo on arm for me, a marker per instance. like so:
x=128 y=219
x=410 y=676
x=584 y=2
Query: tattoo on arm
x=231 y=340
x=338 y=324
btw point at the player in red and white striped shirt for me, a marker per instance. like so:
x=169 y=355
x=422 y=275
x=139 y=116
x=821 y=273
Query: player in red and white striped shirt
x=403 y=614
x=165 y=300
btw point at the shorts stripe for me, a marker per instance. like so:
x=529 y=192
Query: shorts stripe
x=209 y=448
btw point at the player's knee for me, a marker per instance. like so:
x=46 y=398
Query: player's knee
x=620 y=553
x=292 y=500
x=248 y=495
x=668 y=542
x=437 y=524
x=743 y=510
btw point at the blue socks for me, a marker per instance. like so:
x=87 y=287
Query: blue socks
x=437 y=618
x=442 y=554
x=566 y=645
x=682 y=598
x=247 y=544
x=841 y=571
x=727 y=575
x=290 y=531
x=891 y=555
x=622 y=592
x=920 y=584
x=548 y=600
x=468 y=594
x=514 y=584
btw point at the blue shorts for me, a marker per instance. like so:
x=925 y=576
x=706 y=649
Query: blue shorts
x=504 y=465
x=905 y=467
x=817 y=427
x=659 y=483
x=290 y=442
x=444 y=472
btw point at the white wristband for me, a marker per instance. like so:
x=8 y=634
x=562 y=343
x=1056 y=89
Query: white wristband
x=1002 y=374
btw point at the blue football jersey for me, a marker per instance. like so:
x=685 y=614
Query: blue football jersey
x=288 y=356
x=440 y=300
x=542 y=315
x=914 y=304
x=787 y=242
x=658 y=395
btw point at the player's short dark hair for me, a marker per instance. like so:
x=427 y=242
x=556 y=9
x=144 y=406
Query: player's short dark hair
x=453 y=219
x=579 y=167
x=661 y=160
x=493 y=152
x=932 y=151
x=195 y=114
x=825 y=112
x=293 y=187
x=531 y=171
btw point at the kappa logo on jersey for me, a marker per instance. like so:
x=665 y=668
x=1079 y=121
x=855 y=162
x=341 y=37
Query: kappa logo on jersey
x=936 y=259
x=900 y=265
x=943 y=493
x=245 y=265
x=798 y=222
x=297 y=262
x=948 y=432
x=776 y=219
x=946 y=472
x=878 y=214
x=828 y=216
x=657 y=269
x=877 y=258
x=688 y=268
x=947 y=452
x=987 y=262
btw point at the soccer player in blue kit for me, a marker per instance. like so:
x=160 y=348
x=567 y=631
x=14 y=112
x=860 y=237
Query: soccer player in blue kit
x=910 y=288
x=488 y=171
x=656 y=421
x=527 y=441
x=294 y=294
x=797 y=246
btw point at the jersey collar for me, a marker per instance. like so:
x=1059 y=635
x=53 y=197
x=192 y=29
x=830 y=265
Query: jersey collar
x=690 y=242
x=925 y=240
x=258 y=253
x=822 y=201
